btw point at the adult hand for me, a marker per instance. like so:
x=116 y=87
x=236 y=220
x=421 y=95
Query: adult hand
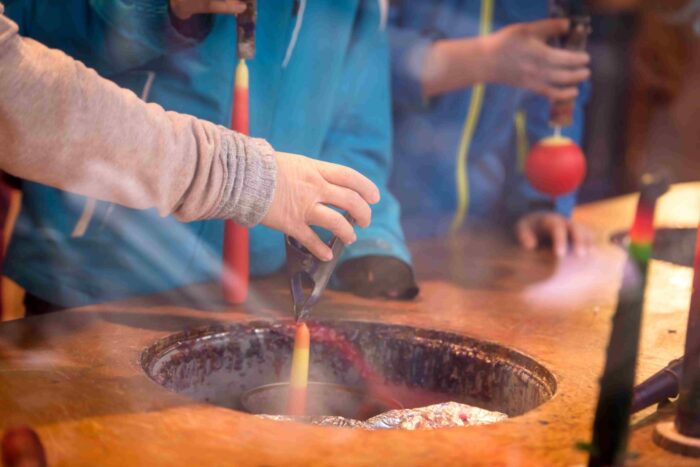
x=184 y=9
x=538 y=227
x=518 y=55
x=305 y=190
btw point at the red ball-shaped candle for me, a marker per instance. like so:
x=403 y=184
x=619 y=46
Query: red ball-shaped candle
x=555 y=166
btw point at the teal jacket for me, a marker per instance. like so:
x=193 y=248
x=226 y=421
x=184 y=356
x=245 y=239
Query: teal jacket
x=319 y=87
x=460 y=156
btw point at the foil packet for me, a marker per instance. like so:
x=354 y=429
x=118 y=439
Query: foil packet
x=339 y=422
x=444 y=415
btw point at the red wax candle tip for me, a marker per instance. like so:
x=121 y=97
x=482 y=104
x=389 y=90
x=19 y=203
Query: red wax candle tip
x=555 y=166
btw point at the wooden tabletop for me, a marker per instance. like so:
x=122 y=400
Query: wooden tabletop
x=76 y=375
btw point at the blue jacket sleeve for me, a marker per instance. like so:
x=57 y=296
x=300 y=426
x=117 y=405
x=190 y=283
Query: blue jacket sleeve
x=110 y=35
x=408 y=51
x=360 y=133
x=523 y=198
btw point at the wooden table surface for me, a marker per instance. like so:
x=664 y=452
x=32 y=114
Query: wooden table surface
x=76 y=376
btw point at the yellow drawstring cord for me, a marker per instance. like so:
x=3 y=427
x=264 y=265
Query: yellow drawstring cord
x=475 y=105
x=521 y=144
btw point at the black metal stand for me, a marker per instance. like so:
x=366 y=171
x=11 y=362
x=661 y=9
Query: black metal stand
x=683 y=436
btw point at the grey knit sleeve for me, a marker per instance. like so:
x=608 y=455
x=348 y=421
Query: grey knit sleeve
x=102 y=141
x=251 y=180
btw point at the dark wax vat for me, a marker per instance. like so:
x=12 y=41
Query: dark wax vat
x=674 y=245
x=414 y=367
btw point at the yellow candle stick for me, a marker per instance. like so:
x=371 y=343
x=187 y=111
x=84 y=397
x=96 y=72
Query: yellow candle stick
x=299 y=377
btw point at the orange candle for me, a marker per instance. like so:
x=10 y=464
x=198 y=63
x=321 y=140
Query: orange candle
x=236 y=253
x=299 y=377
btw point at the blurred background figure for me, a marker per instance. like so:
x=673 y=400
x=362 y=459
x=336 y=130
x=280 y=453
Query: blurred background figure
x=639 y=106
x=472 y=82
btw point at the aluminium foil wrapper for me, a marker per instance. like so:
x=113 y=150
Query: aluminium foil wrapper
x=339 y=422
x=444 y=415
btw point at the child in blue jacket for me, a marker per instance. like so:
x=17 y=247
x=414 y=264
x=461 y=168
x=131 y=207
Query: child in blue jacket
x=319 y=87
x=460 y=146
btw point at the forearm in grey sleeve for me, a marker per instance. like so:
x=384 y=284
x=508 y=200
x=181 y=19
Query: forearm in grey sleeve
x=63 y=126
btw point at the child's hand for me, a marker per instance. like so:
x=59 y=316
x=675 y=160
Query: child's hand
x=304 y=191
x=535 y=228
x=184 y=9
x=519 y=55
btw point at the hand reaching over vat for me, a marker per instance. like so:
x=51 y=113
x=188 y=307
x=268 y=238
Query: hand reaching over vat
x=304 y=191
x=93 y=138
x=517 y=55
x=184 y=9
x=538 y=227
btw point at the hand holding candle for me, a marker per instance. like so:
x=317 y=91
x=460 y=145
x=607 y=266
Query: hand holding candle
x=556 y=165
x=306 y=188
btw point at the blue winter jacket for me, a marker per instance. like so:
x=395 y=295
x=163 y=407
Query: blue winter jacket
x=319 y=87
x=459 y=157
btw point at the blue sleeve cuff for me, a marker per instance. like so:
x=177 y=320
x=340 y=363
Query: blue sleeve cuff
x=408 y=53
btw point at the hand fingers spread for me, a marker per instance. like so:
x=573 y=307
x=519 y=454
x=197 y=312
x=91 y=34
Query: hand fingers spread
x=327 y=218
x=568 y=77
x=348 y=200
x=225 y=7
x=526 y=234
x=349 y=178
x=546 y=28
x=313 y=243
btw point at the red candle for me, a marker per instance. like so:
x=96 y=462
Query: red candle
x=236 y=254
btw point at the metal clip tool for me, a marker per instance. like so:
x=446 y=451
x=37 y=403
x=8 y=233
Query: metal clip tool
x=302 y=265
